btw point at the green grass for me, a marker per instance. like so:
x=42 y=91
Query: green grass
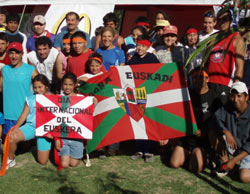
x=116 y=174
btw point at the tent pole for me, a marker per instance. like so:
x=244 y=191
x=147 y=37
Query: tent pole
x=21 y=17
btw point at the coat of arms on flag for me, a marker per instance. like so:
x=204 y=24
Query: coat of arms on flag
x=149 y=101
x=64 y=116
x=132 y=100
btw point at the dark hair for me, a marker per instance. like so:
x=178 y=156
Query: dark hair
x=199 y=69
x=67 y=35
x=166 y=17
x=13 y=17
x=210 y=14
x=3 y=11
x=41 y=78
x=110 y=17
x=78 y=34
x=224 y=10
x=43 y=40
x=4 y=36
x=143 y=19
x=98 y=30
x=72 y=13
x=70 y=76
x=144 y=37
x=184 y=40
x=140 y=28
x=90 y=59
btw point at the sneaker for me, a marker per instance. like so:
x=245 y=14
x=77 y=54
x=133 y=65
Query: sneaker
x=220 y=171
x=136 y=156
x=11 y=163
x=149 y=158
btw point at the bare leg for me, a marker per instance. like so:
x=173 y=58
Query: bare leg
x=245 y=175
x=16 y=136
x=198 y=160
x=74 y=162
x=65 y=161
x=178 y=157
x=43 y=156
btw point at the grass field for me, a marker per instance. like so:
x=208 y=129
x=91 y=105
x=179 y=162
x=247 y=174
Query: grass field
x=117 y=174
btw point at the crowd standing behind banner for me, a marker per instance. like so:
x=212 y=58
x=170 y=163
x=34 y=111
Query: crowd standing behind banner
x=71 y=52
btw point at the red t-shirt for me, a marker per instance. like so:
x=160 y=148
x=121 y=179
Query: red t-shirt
x=6 y=60
x=76 y=64
x=221 y=67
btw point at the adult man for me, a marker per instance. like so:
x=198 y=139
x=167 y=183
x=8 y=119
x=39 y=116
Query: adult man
x=233 y=123
x=72 y=21
x=47 y=61
x=14 y=35
x=209 y=22
x=226 y=60
x=76 y=64
x=39 y=24
x=15 y=82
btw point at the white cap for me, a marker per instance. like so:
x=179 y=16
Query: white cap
x=39 y=19
x=240 y=87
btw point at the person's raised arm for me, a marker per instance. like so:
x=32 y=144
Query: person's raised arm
x=239 y=57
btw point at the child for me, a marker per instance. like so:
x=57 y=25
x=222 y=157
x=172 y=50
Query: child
x=144 y=148
x=71 y=151
x=93 y=67
x=27 y=131
x=142 y=56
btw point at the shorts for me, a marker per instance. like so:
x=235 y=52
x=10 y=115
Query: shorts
x=245 y=162
x=43 y=144
x=28 y=132
x=72 y=148
x=8 y=125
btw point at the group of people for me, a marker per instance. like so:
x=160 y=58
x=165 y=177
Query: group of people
x=58 y=63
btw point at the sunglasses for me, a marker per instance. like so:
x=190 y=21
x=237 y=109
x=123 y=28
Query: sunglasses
x=210 y=15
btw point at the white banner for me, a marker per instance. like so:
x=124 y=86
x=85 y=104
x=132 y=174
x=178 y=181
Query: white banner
x=91 y=16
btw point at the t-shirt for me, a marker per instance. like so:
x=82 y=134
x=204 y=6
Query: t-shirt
x=148 y=58
x=46 y=66
x=1 y=120
x=5 y=61
x=31 y=118
x=16 y=87
x=112 y=57
x=76 y=64
x=203 y=35
x=32 y=39
x=204 y=106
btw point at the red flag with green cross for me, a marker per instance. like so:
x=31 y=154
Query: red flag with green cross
x=149 y=101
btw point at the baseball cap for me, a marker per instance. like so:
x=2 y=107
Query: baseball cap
x=39 y=19
x=170 y=30
x=162 y=23
x=240 y=87
x=15 y=46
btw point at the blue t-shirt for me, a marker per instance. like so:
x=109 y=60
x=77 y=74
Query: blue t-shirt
x=59 y=39
x=16 y=87
x=31 y=118
x=111 y=57
x=1 y=119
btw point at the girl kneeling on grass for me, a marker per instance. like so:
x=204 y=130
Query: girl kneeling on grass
x=27 y=131
x=71 y=152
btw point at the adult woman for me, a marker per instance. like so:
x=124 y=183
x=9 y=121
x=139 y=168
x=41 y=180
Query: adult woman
x=111 y=54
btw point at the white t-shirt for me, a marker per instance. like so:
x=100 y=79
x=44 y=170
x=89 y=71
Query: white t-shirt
x=44 y=67
x=203 y=36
